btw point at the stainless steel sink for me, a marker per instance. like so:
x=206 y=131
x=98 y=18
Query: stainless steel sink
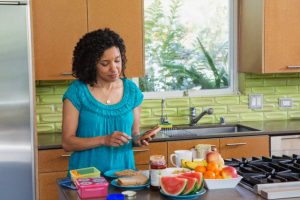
x=207 y=130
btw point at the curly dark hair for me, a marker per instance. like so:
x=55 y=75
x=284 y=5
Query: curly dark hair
x=90 y=49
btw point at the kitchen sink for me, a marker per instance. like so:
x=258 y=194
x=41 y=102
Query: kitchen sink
x=207 y=130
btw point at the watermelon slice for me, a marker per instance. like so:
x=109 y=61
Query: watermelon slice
x=198 y=176
x=192 y=184
x=173 y=185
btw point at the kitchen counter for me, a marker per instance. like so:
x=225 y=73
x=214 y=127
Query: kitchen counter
x=238 y=193
x=53 y=140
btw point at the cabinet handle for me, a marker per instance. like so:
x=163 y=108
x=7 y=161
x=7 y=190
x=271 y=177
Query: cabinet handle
x=65 y=155
x=140 y=150
x=236 y=144
x=67 y=73
x=293 y=67
x=291 y=138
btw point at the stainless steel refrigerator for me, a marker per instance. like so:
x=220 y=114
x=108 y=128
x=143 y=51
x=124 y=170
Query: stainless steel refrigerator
x=17 y=140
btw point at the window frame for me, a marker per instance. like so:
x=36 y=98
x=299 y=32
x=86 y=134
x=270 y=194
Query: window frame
x=233 y=54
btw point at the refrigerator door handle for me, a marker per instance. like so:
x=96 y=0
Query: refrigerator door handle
x=13 y=2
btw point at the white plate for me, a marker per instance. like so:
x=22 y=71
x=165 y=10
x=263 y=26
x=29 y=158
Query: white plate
x=222 y=183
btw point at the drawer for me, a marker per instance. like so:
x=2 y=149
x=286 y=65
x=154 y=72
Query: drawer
x=53 y=160
x=142 y=154
x=285 y=143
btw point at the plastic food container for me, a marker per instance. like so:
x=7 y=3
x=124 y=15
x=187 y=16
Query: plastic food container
x=91 y=187
x=222 y=183
x=90 y=172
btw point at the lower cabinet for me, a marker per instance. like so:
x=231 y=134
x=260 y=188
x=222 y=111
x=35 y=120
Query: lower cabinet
x=237 y=147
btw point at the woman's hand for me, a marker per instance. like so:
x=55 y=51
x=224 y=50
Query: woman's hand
x=145 y=138
x=116 y=139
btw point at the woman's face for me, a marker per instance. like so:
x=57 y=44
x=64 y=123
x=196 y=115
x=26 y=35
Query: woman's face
x=109 y=66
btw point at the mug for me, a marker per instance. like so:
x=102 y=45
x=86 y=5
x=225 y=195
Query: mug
x=179 y=155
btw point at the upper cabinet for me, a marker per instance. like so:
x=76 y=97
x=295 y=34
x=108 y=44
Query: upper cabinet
x=269 y=33
x=58 y=25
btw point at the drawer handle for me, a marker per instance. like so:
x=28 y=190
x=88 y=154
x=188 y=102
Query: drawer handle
x=236 y=144
x=65 y=155
x=140 y=150
x=290 y=138
x=67 y=73
x=293 y=67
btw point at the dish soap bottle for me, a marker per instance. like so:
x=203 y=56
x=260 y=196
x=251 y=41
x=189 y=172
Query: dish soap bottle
x=157 y=164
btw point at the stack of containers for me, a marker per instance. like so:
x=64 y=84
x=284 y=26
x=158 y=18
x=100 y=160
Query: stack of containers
x=89 y=183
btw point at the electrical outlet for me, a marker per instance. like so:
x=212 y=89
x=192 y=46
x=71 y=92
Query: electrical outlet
x=285 y=102
x=255 y=101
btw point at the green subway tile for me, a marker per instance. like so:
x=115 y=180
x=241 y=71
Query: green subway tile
x=261 y=75
x=184 y=111
x=286 y=75
x=244 y=99
x=58 y=127
x=227 y=100
x=254 y=83
x=247 y=91
x=275 y=82
x=293 y=81
x=37 y=99
x=48 y=99
x=151 y=103
x=263 y=90
x=183 y=102
x=280 y=115
x=238 y=109
x=272 y=98
x=207 y=119
x=296 y=97
x=37 y=118
x=44 y=109
x=219 y=109
x=149 y=122
x=50 y=118
x=145 y=113
x=44 y=90
x=179 y=120
x=296 y=106
x=286 y=89
x=59 y=82
x=294 y=114
x=58 y=108
x=45 y=128
x=60 y=89
x=168 y=111
x=205 y=101
x=270 y=107
x=229 y=118
x=251 y=116
x=241 y=82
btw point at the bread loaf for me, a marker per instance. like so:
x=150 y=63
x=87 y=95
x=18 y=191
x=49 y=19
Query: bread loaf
x=135 y=180
x=126 y=172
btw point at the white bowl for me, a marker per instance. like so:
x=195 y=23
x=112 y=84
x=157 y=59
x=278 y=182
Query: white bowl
x=173 y=171
x=222 y=183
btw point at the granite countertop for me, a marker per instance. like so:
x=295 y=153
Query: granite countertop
x=273 y=128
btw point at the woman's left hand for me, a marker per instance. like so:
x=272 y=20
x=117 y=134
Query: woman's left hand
x=147 y=136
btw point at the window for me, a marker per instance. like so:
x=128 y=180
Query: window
x=189 y=47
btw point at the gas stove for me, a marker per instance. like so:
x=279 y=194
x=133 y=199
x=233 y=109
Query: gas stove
x=268 y=176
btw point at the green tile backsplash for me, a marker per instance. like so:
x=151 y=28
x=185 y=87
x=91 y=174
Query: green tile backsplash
x=233 y=107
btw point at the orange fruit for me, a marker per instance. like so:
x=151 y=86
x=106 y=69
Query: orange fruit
x=209 y=175
x=200 y=168
x=219 y=176
x=212 y=166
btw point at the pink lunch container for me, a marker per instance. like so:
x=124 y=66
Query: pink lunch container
x=91 y=187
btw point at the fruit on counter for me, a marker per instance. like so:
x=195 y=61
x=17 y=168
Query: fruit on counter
x=192 y=164
x=173 y=185
x=214 y=156
x=182 y=184
x=229 y=172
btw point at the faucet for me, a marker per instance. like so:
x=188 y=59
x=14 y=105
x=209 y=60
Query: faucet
x=194 y=119
x=163 y=117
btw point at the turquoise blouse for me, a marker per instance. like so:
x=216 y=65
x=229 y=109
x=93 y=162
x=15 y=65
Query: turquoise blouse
x=98 y=119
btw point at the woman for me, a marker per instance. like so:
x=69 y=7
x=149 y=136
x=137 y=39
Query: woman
x=101 y=109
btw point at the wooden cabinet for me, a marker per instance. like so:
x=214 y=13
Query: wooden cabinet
x=237 y=147
x=142 y=154
x=187 y=145
x=269 y=39
x=58 y=25
x=126 y=18
x=52 y=164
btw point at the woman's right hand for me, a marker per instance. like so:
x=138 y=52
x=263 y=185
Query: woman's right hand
x=116 y=139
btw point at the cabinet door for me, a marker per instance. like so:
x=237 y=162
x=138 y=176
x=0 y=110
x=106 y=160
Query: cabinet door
x=48 y=189
x=237 y=147
x=57 y=26
x=187 y=145
x=53 y=160
x=126 y=18
x=282 y=30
